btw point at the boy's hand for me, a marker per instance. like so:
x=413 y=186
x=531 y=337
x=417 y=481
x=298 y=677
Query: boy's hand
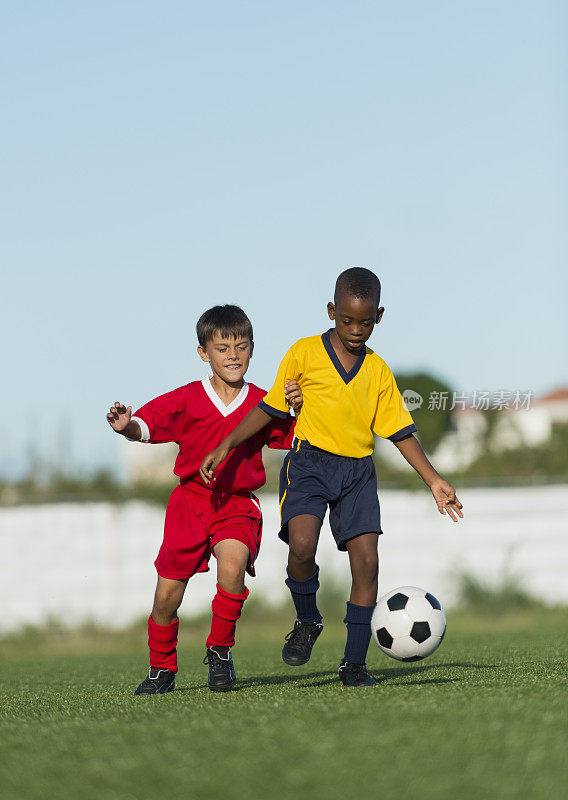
x=446 y=500
x=119 y=416
x=211 y=462
x=293 y=395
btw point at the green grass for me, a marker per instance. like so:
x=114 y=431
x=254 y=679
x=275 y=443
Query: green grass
x=484 y=717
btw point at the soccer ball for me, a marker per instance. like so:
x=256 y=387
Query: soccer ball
x=408 y=623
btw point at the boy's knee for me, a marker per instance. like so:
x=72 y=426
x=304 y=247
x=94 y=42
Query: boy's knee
x=302 y=549
x=366 y=566
x=231 y=570
x=166 y=600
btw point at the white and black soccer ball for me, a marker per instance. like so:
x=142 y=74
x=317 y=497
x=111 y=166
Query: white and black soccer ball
x=408 y=623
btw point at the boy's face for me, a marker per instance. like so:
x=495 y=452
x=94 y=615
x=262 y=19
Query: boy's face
x=229 y=357
x=355 y=319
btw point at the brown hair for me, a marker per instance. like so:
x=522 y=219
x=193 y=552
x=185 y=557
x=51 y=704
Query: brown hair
x=224 y=320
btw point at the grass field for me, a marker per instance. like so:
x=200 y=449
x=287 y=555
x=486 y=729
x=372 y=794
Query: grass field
x=484 y=717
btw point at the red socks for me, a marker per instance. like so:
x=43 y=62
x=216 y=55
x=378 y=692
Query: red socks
x=227 y=609
x=162 y=641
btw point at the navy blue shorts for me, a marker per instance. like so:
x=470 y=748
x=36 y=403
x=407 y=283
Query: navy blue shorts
x=312 y=479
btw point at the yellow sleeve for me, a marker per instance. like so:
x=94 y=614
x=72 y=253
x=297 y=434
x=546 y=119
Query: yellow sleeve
x=392 y=420
x=274 y=403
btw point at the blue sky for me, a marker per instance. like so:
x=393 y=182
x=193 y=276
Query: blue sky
x=161 y=158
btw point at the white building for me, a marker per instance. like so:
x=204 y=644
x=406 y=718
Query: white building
x=514 y=428
x=148 y=463
x=531 y=426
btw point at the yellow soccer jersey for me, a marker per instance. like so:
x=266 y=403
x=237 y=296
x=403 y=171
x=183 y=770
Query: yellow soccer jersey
x=341 y=409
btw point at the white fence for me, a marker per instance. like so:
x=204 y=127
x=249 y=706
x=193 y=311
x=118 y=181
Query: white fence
x=94 y=561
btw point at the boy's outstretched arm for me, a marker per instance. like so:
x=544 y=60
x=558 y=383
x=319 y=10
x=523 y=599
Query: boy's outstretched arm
x=119 y=419
x=254 y=422
x=444 y=493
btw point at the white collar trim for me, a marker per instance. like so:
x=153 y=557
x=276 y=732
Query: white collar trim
x=218 y=403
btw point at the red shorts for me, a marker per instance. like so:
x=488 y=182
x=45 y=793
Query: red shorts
x=196 y=520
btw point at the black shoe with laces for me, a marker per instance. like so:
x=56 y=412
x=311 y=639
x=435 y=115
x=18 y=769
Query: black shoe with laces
x=222 y=676
x=299 y=642
x=355 y=674
x=159 y=681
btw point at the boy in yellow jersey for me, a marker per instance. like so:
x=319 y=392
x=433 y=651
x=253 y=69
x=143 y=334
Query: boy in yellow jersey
x=349 y=393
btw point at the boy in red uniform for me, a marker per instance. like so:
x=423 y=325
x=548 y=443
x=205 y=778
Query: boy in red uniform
x=226 y=520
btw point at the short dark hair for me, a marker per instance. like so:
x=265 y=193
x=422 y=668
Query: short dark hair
x=224 y=320
x=358 y=282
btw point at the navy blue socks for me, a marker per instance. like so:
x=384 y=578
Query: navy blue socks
x=358 y=619
x=304 y=597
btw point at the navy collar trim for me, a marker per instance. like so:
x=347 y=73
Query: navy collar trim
x=346 y=376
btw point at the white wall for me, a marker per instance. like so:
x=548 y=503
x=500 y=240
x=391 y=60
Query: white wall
x=79 y=562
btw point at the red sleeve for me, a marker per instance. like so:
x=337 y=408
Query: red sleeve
x=279 y=434
x=164 y=416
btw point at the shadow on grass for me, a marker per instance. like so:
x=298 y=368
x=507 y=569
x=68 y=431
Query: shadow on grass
x=317 y=680
x=429 y=681
x=271 y=680
x=385 y=675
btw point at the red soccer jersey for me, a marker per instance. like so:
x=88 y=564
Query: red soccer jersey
x=195 y=417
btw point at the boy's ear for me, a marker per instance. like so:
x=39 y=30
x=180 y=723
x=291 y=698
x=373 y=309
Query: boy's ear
x=202 y=353
x=380 y=312
x=331 y=310
x=251 y=348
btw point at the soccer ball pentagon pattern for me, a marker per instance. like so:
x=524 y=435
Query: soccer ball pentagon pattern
x=408 y=623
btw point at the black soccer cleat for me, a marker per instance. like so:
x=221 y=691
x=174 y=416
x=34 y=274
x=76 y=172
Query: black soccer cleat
x=222 y=676
x=355 y=674
x=159 y=681
x=299 y=643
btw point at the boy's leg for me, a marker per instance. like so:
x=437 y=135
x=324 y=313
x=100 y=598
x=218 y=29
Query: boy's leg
x=167 y=599
x=232 y=559
x=364 y=563
x=162 y=636
x=303 y=532
x=302 y=580
x=163 y=623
